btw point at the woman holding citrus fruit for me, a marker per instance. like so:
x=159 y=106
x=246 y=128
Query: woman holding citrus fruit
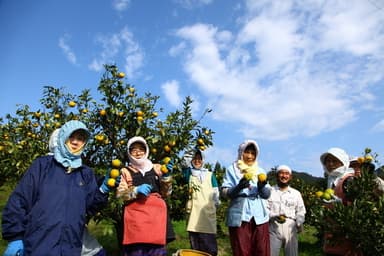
x=143 y=188
x=335 y=162
x=245 y=184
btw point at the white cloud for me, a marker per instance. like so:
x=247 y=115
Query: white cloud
x=224 y=156
x=379 y=127
x=171 y=92
x=120 y=5
x=288 y=71
x=68 y=52
x=189 y=4
x=122 y=43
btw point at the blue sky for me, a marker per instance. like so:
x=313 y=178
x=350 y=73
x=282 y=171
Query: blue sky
x=298 y=77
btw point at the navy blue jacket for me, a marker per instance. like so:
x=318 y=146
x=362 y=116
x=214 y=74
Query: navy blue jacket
x=48 y=208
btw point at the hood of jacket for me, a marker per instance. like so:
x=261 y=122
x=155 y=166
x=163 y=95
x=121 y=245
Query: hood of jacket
x=62 y=153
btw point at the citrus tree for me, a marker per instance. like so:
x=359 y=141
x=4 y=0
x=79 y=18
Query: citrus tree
x=118 y=115
x=361 y=220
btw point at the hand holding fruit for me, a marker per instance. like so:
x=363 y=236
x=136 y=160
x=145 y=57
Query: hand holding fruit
x=234 y=191
x=243 y=183
x=166 y=166
x=328 y=196
x=111 y=180
x=261 y=180
x=264 y=191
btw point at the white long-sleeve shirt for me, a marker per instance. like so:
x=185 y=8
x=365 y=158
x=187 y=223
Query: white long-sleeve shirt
x=288 y=202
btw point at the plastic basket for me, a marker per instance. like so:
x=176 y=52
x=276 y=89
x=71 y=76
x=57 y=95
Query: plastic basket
x=190 y=252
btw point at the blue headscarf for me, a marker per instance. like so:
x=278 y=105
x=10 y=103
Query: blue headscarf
x=62 y=154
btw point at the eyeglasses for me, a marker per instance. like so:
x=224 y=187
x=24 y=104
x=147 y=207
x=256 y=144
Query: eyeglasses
x=136 y=150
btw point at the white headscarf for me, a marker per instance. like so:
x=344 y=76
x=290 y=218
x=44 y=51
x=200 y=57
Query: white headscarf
x=198 y=172
x=335 y=175
x=243 y=167
x=143 y=164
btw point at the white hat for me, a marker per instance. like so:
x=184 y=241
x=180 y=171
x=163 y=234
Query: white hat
x=338 y=153
x=284 y=167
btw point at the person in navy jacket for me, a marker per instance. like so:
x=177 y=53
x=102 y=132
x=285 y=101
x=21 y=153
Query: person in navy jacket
x=46 y=213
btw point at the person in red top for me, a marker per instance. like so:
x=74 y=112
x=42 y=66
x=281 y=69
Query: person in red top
x=336 y=167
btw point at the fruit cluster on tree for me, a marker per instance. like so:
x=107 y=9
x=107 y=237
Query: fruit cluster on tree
x=120 y=114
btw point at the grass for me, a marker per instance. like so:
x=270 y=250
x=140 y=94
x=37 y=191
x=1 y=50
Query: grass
x=104 y=232
x=308 y=242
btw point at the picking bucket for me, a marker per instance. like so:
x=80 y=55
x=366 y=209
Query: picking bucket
x=190 y=252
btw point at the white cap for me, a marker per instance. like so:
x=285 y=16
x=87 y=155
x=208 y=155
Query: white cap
x=284 y=167
x=338 y=153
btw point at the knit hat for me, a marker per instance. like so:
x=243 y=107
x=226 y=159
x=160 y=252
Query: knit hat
x=62 y=154
x=284 y=167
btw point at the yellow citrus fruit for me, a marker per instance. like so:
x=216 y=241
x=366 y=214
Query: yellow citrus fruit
x=103 y=112
x=329 y=191
x=166 y=160
x=72 y=104
x=164 y=168
x=99 y=137
x=319 y=194
x=262 y=177
x=116 y=163
x=114 y=173
x=154 y=114
x=37 y=114
x=360 y=159
x=167 y=148
x=326 y=196
x=121 y=75
x=131 y=89
x=111 y=182
x=172 y=143
x=368 y=159
x=248 y=176
x=200 y=141
x=139 y=113
x=281 y=219
x=154 y=150
x=140 y=119
x=85 y=111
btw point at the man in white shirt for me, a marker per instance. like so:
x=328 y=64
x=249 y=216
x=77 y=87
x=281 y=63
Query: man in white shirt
x=287 y=214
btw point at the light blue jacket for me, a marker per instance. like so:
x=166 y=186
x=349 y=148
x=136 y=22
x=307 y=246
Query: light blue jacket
x=250 y=202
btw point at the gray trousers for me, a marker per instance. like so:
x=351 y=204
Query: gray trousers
x=283 y=235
